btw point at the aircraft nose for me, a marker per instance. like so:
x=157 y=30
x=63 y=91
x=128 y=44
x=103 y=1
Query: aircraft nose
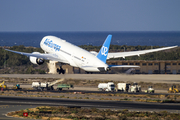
x=42 y=41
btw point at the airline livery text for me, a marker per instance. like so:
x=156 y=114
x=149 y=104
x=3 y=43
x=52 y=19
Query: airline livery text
x=50 y=44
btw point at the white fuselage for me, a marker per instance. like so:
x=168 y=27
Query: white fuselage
x=71 y=54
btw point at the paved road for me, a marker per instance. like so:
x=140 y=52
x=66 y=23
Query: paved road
x=8 y=107
x=154 y=78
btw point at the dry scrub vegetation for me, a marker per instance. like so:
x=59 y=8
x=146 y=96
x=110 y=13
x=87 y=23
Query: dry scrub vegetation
x=97 y=96
x=66 y=113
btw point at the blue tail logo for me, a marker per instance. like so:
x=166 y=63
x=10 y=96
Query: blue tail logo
x=102 y=55
x=104 y=51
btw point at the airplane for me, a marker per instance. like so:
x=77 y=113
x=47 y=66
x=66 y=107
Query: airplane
x=57 y=49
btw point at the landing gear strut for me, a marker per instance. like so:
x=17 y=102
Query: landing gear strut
x=60 y=70
x=89 y=72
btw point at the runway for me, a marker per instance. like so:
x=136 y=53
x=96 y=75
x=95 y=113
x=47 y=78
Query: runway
x=8 y=104
x=133 y=106
x=153 y=78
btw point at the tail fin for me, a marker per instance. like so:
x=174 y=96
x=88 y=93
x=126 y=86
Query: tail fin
x=103 y=53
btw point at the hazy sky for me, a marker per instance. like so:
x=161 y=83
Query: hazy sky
x=89 y=15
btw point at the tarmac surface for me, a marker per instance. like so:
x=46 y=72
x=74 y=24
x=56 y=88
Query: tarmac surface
x=8 y=104
x=132 y=106
x=8 y=107
x=154 y=78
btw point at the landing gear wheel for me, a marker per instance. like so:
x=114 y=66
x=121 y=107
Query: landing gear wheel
x=60 y=70
x=89 y=72
x=52 y=88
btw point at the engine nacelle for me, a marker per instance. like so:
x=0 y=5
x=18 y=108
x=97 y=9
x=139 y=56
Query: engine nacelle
x=36 y=60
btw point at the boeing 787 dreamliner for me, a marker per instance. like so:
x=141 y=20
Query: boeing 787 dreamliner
x=64 y=52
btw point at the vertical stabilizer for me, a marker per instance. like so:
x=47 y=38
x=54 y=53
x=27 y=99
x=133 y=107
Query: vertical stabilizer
x=103 y=53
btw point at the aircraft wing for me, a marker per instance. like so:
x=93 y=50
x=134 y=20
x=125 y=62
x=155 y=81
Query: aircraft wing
x=52 y=57
x=133 y=53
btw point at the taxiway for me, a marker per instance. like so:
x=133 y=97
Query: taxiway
x=132 y=106
x=154 y=78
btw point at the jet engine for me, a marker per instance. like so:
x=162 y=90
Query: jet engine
x=36 y=60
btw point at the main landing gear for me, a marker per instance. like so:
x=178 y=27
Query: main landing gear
x=60 y=70
x=89 y=72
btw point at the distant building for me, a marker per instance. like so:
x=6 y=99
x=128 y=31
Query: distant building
x=150 y=67
x=146 y=67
